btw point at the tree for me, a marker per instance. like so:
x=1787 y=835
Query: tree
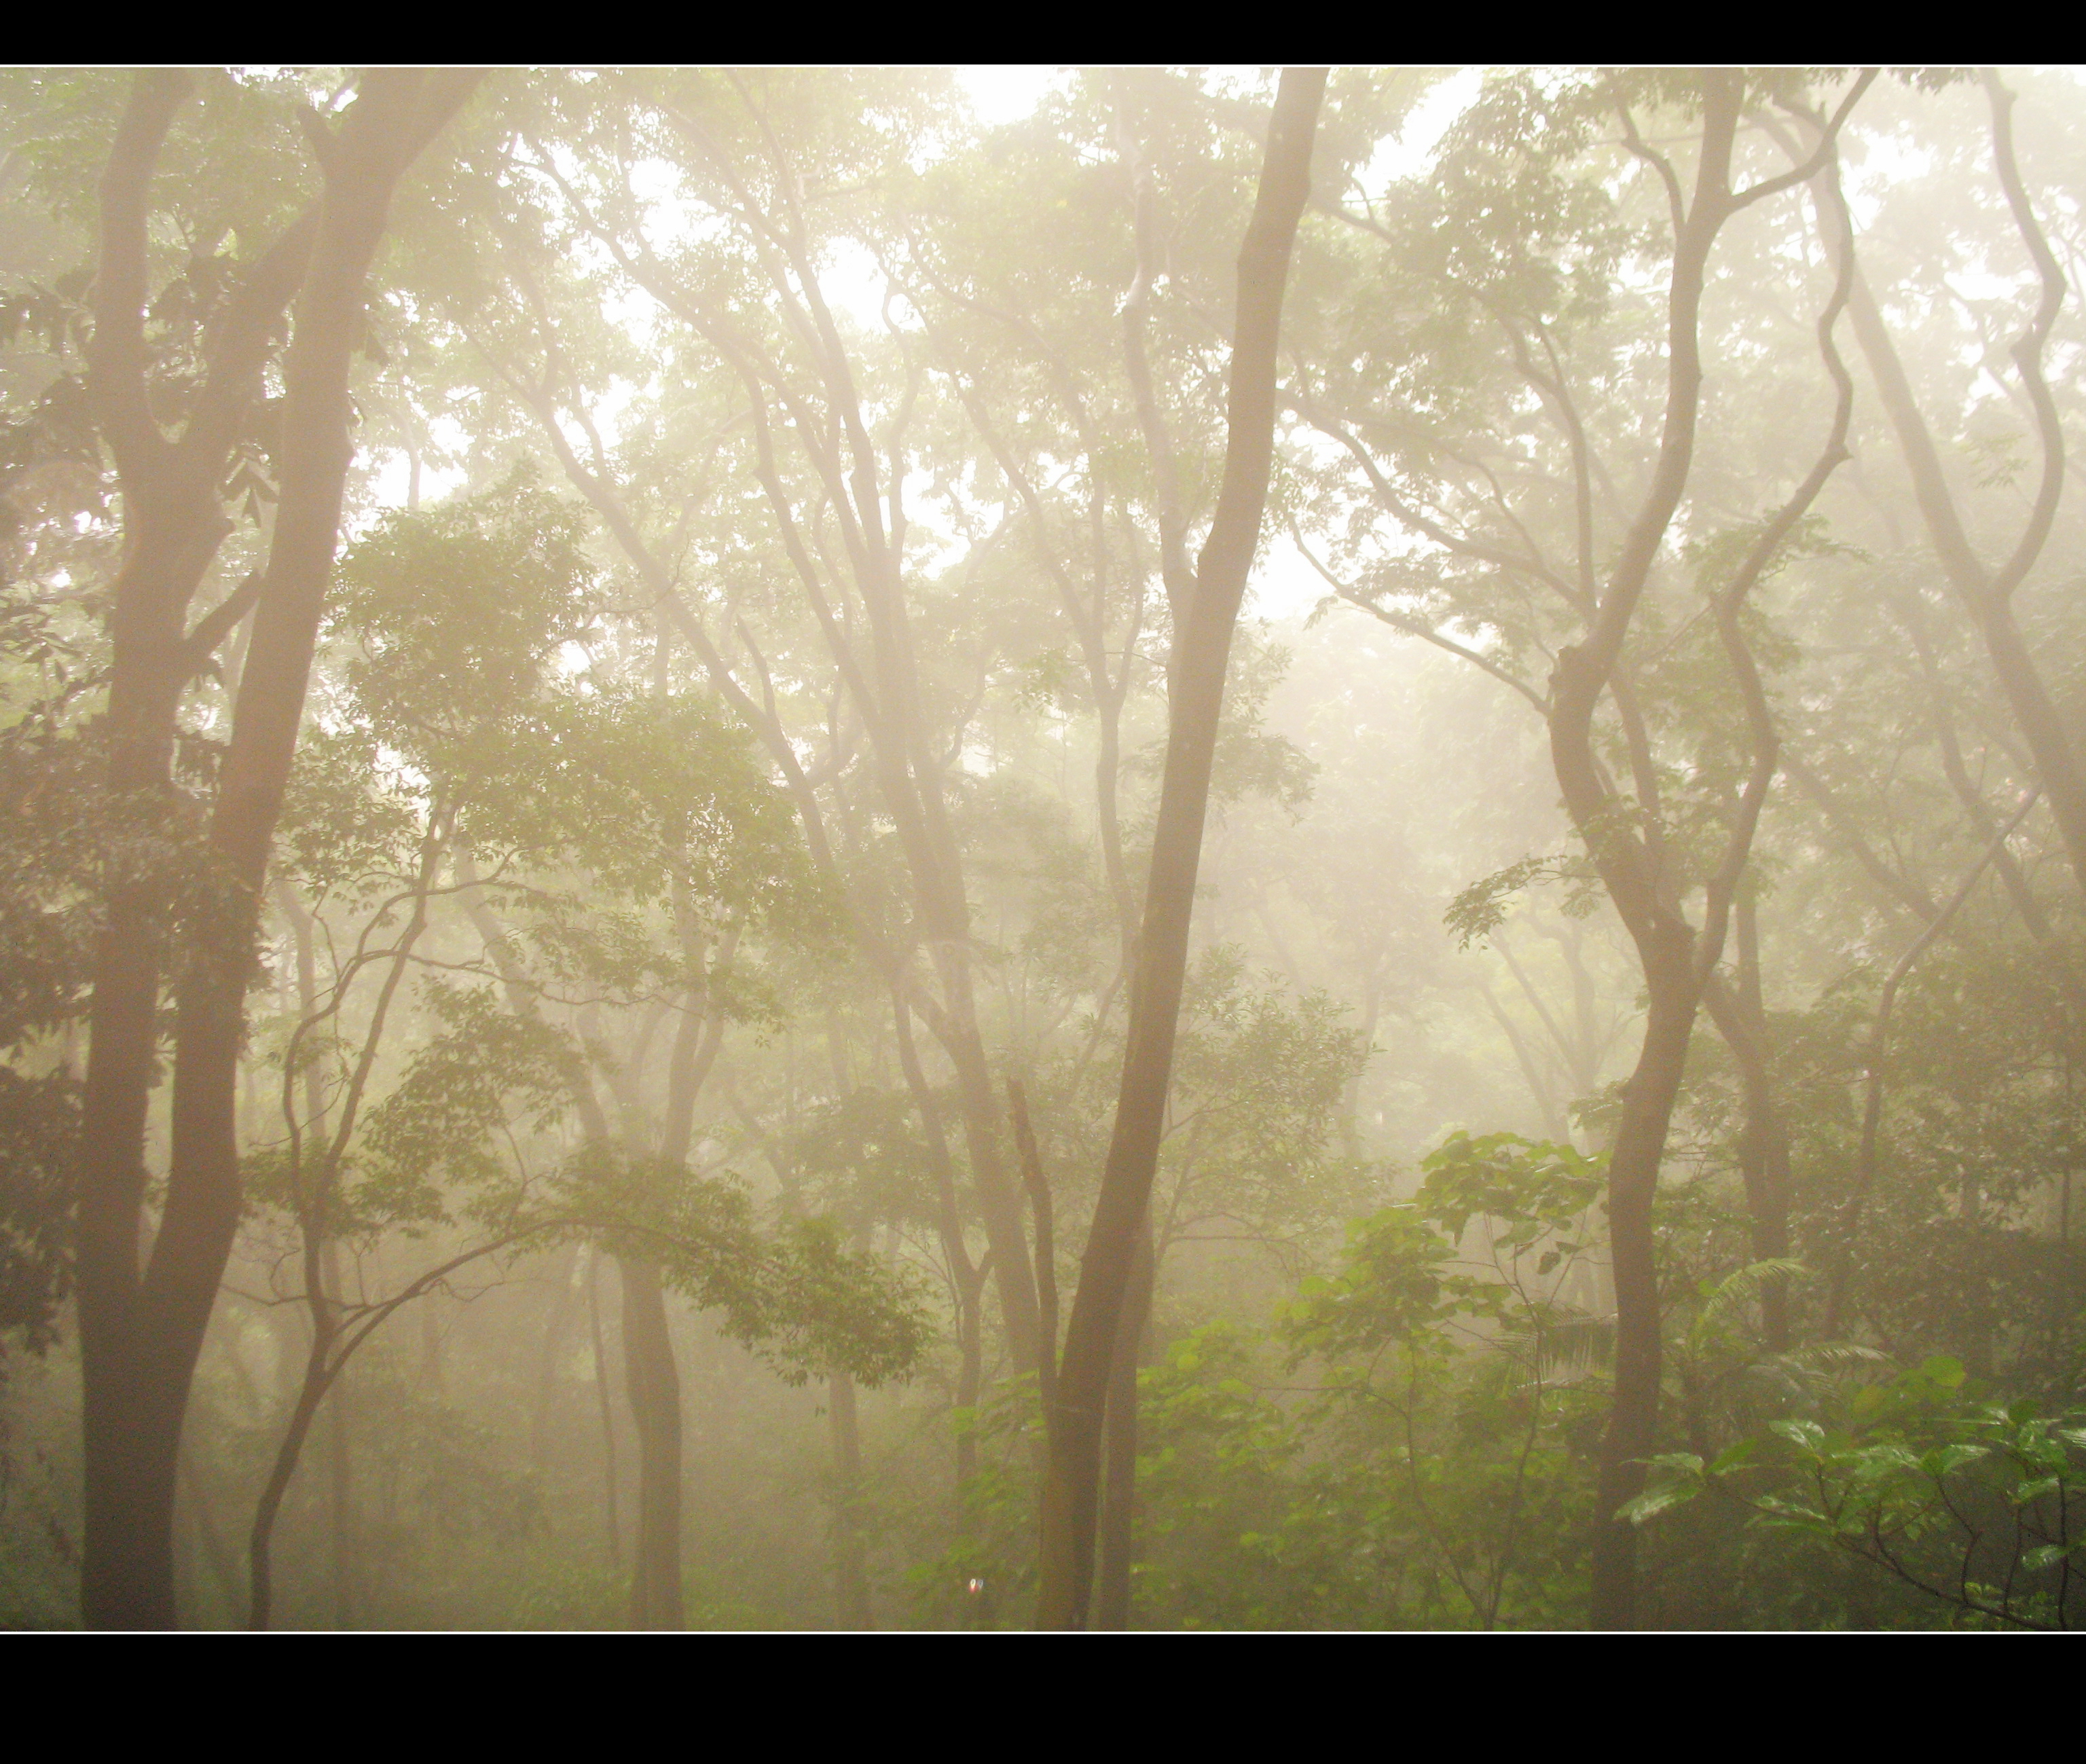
x=1679 y=963
x=141 y=1329
x=1206 y=610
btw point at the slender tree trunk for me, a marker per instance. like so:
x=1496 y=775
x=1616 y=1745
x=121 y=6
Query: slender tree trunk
x=340 y=1491
x=260 y=1539
x=656 y=1598
x=1043 y=1215
x=609 y=1478
x=850 y=1558
x=1196 y=686
x=1118 y=1522
x=653 y=1379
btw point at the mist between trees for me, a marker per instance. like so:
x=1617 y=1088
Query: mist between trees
x=1267 y=850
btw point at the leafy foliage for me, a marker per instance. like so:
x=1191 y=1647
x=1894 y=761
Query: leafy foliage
x=1972 y=1503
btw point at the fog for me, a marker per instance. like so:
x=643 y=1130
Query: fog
x=1014 y=848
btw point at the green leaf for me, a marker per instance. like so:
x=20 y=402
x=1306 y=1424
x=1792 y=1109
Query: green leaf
x=1734 y=1457
x=1654 y=1502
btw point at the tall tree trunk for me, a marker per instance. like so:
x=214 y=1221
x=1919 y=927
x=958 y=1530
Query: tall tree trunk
x=1631 y=875
x=1627 y=1444
x=1676 y=964
x=656 y=1599
x=611 y=1498
x=173 y=525
x=1118 y=1523
x=148 y=1331
x=850 y=1557
x=342 y=1560
x=652 y=1378
x=1195 y=695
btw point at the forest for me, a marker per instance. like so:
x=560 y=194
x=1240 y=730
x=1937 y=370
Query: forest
x=985 y=849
